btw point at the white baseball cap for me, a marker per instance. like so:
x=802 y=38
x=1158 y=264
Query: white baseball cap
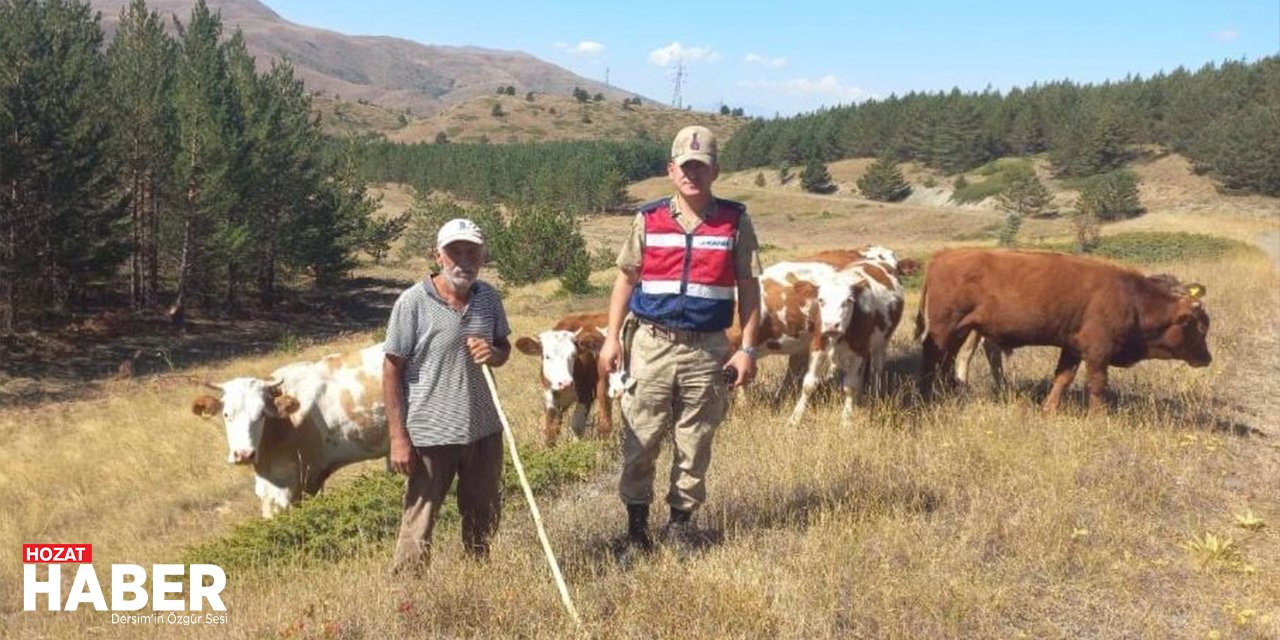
x=459 y=229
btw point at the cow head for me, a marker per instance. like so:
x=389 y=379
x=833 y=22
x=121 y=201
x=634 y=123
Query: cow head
x=877 y=253
x=246 y=404
x=837 y=297
x=1184 y=338
x=559 y=349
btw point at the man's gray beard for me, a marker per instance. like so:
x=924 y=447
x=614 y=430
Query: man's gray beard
x=459 y=282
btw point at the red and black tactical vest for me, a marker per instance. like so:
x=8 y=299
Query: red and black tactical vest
x=687 y=279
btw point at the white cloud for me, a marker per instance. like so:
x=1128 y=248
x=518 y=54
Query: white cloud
x=827 y=85
x=584 y=48
x=1226 y=35
x=765 y=61
x=676 y=52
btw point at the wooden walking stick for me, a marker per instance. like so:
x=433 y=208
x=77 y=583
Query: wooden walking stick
x=528 y=496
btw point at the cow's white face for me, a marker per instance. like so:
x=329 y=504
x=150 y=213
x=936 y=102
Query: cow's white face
x=246 y=405
x=877 y=253
x=559 y=350
x=836 y=299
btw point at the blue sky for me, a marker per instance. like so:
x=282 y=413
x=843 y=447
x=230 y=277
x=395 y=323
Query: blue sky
x=788 y=57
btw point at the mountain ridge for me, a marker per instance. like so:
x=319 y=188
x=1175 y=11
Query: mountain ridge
x=389 y=71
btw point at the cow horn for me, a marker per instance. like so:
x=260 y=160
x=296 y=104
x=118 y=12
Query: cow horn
x=274 y=384
x=207 y=384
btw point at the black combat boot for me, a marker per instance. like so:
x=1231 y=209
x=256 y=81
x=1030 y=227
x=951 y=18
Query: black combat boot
x=638 y=527
x=679 y=535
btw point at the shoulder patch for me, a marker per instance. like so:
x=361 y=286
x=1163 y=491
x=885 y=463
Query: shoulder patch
x=654 y=204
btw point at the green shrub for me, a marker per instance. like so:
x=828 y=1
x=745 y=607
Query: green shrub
x=1156 y=247
x=1002 y=165
x=537 y=243
x=346 y=521
x=1111 y=196
x=969 y=192
x=576 y=277
x=1145 y=247
x=1009 y=230
x=334 y=524
x=289 y=342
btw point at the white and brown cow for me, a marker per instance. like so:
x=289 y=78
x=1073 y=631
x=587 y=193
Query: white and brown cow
x=826 y=317
x=307 y=421
x=859 y=307
x=570 y=352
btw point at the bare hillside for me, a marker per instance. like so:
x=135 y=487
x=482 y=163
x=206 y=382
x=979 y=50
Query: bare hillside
x=556 y=116
x=392 y=72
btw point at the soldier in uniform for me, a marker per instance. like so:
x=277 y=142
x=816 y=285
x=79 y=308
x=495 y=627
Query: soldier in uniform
x=687 y=258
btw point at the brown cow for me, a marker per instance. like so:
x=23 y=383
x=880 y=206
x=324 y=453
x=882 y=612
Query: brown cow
x=570 y=351
x=1102 y=313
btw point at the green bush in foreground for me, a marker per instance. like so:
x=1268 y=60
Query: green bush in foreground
x=342 y=522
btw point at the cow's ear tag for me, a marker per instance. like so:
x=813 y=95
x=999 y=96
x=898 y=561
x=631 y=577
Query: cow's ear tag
x=1196 y=291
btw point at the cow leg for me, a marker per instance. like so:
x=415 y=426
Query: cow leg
x=1097 y=382
x=995 y=360
x=819 y=363
x=604 y=408
x=797 y=366
x=875 y=370
x=938 y=359
x=578 y=423
x=964 y=357
x=852 y=384
x=274 y=497
x=551 y=426
x=1063 y=375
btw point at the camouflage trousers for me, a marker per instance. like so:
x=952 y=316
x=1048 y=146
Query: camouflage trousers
x=675 y=393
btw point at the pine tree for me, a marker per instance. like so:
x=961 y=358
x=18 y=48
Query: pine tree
x=140 y=63
x=1023 y=193
x=883 y=181
x=206 y=151
x=62 y=215
x=815 y=178
x=331 y=224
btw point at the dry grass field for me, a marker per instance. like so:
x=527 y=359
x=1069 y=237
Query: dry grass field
x=978 y=517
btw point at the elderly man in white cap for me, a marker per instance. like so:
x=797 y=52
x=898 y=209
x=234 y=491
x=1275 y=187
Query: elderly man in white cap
x=440 y=414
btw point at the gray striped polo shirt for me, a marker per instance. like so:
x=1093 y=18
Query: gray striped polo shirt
x=447 y=400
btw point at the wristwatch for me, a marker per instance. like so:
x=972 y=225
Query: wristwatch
x=751 y=351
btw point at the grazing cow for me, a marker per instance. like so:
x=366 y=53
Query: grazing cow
x=1102 y=313
x=570 y=353
x=307 y=421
